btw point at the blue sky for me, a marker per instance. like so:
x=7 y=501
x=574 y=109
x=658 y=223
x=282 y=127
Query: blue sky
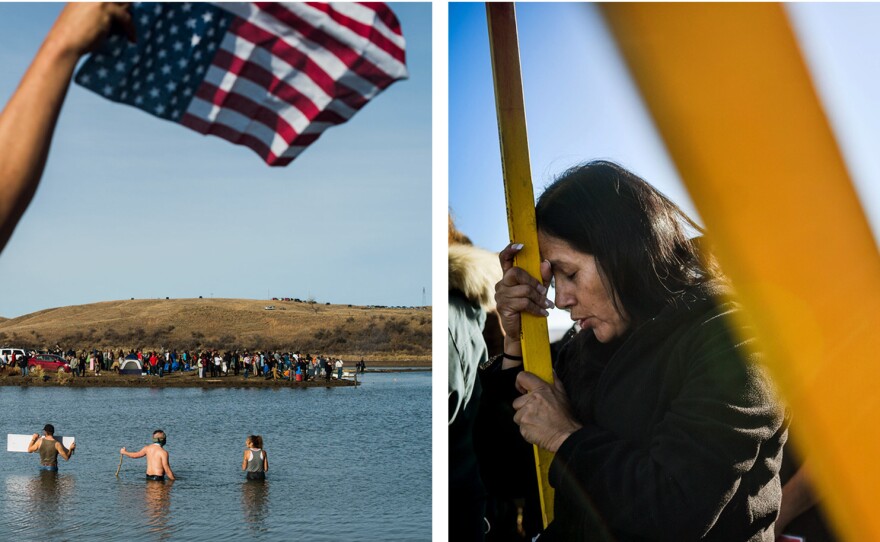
x=133 y=206
x=581 y=104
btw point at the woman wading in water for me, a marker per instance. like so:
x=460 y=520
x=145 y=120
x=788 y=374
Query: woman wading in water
x=255 y=461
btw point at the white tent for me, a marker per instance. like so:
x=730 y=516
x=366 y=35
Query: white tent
x=130 y=366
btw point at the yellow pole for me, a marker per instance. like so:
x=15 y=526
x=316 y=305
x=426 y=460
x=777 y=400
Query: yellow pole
x=733 y=99
x=520 y=197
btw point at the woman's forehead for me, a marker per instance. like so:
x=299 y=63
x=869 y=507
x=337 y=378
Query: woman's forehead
x=558 y=250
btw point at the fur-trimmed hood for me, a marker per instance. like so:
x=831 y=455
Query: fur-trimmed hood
x=474 y=271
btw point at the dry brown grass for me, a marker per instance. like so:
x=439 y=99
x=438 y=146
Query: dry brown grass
x=64 y=379
x=376 y=334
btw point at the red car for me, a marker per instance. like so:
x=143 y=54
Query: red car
x=49 y=363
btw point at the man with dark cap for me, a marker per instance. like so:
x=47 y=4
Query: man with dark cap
x=49 y=449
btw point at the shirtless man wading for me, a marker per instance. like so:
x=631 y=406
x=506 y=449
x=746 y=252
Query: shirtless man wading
x=157 y=458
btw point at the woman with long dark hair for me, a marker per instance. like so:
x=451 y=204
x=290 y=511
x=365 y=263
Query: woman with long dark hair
x=663 y=425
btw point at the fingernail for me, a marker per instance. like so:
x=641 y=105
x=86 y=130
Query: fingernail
x=545 y=313
x=517 y=246
x=548 y=303
x=542 y=290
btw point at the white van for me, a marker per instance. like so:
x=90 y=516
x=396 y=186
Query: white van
x=6 y=352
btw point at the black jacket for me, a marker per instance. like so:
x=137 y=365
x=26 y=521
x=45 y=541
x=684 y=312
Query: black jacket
x=682 y=436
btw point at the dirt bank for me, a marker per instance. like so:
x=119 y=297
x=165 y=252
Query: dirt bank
x=175 y=380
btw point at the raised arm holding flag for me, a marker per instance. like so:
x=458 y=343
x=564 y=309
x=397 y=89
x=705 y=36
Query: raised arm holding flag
x=28 y=120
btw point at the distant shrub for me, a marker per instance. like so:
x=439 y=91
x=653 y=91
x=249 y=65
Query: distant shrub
x=64 y=379
x=396 y=326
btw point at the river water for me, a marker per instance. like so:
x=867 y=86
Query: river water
x=344 y=463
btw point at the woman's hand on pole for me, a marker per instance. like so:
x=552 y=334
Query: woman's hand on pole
x=543 y=413
x=519 y=292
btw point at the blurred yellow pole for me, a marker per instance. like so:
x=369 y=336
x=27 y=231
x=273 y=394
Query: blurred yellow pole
x=733 y=100
x=520 y=196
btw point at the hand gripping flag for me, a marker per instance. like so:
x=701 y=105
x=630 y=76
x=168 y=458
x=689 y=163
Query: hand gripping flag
x=270 y=76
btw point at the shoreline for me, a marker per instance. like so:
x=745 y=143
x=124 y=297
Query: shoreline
x=186 y=380
x=174 y=380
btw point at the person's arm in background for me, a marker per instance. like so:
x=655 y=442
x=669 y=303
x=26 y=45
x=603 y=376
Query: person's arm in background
x=35 y=443
x=64 y=452
x=28 y=120
x=797 y=498
x=166 y=466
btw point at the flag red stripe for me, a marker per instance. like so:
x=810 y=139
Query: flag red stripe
x=234 y=136
x=385 y=15
x=362 y=30
x=248 y=108
x=354 y=60
x=299 y=61
x=255 y=73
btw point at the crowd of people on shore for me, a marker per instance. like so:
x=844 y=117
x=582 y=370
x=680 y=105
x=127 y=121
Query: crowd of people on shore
x=295 y=366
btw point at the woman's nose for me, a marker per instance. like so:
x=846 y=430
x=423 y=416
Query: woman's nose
x=562 y=298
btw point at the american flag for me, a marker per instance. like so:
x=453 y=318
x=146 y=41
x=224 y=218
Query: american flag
x=270 y=76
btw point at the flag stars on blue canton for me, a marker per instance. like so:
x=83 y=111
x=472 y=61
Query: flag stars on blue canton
x=161 y=72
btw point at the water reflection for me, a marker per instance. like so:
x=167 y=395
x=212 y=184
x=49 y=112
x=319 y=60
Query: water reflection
x=157 y=506
x=254 y=504
x=39 y=501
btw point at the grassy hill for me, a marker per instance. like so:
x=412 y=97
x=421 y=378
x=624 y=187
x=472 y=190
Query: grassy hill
x=352 y=332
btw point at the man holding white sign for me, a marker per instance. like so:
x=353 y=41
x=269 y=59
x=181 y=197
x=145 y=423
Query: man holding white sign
x=49 y=449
